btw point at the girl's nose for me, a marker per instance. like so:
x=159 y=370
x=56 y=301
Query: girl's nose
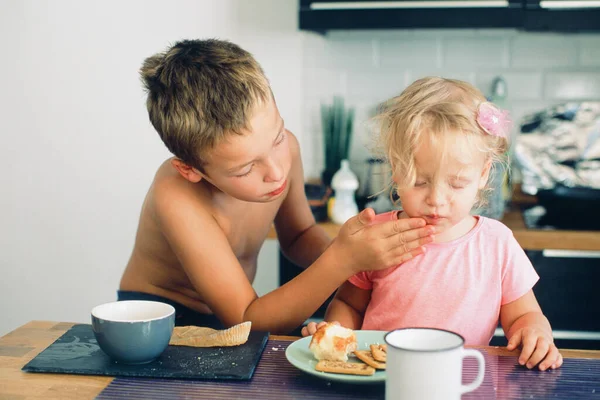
x=436 y=196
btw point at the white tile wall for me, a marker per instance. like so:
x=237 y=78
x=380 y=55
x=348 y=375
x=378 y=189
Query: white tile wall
x=354 y=53
x=474 y=52
x=414 y=52
x=589 y=51
x=525 y=85
x=572 y=85
x=375 y=84
x=544 y=50
x=367 y=67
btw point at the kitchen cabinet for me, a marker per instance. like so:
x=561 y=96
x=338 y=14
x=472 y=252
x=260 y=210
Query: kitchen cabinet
x=319 y=15
x=568 y=294
x=535 y=15
x=564 y=15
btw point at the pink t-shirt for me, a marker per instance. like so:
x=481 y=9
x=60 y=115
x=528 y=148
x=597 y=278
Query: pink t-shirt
x=458 y=285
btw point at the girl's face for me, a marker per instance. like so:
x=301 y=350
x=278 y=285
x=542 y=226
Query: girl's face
x=446 y=187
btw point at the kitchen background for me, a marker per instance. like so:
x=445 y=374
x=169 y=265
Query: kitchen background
x=78 y=152
x=367 y=67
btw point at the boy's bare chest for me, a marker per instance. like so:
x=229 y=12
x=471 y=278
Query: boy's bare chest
x=247 y=232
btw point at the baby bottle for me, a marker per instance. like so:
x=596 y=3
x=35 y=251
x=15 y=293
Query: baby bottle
x=344 y=183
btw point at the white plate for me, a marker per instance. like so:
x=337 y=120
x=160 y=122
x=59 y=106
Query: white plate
x=300 y=356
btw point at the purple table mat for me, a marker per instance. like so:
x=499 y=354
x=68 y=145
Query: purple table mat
x=275 y=378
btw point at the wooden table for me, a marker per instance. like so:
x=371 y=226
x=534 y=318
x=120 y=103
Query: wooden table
x=23 y=344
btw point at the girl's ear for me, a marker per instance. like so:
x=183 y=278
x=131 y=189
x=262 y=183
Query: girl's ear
x=485 y=174
x=188 y=172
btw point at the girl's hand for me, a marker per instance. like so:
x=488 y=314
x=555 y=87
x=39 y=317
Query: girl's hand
x=537 y=348
x=312 y=327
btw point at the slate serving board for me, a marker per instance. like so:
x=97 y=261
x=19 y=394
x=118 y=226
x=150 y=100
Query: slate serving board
x=77 y=352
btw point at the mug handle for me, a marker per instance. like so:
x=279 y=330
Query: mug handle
x=480 y=374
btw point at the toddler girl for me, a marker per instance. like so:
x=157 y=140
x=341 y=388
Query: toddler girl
x=441 y=139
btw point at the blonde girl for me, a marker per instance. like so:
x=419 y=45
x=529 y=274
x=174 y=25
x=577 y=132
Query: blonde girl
x=442 y=138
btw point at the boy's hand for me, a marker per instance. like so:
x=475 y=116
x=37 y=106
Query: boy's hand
x=537 y=348
x=365 y=246
x=312 y=327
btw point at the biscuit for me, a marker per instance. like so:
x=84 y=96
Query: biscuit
x=195 y=336
x=341 y=367
x=366 y=357
x=379 y=352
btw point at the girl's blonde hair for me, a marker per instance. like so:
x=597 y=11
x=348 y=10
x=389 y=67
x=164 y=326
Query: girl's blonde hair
x=442 y=111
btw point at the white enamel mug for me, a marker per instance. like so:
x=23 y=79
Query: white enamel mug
x=426 y=364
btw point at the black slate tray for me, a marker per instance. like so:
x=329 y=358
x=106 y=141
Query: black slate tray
x=77 y=352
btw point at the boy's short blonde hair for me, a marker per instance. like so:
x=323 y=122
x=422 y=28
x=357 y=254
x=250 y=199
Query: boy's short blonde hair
x=200 y=91
x=436 y=109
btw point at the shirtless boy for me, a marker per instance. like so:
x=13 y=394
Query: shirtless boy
x=237 y=170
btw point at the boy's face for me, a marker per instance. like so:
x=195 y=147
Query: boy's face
x=253 y=166
x=444 y=191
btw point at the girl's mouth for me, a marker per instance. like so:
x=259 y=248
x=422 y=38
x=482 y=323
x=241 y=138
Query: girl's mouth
x=433 y=218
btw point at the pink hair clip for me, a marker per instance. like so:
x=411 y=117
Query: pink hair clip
x=492 y=120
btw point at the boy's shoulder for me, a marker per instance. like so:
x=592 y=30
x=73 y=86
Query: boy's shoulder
x=167 y=179
x=170 y=188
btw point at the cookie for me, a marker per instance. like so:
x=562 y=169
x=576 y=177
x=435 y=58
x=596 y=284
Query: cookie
x=341 y=367
x=366 y=357
x=195 y=336
x=379 y=352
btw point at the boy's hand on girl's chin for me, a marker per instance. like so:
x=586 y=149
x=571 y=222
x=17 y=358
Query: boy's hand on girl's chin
x=312 y=327
x=537 y=349
x=363 y=245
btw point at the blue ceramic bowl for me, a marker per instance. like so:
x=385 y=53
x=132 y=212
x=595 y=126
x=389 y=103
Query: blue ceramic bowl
x=133 y=332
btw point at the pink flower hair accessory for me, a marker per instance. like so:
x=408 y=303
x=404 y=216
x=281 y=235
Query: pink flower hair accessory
x=492 y=120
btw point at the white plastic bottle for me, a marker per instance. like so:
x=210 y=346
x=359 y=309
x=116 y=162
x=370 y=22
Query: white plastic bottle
x=344 y=183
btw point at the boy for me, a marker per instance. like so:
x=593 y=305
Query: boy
x=237 y=170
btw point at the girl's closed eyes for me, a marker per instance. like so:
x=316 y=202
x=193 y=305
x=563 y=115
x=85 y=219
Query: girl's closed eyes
x=454 y=184
x=460 y=183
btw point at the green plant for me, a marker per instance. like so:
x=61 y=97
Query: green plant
x=337 y=132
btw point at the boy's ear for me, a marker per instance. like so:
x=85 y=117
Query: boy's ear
x=188 y=172
x=485 y=174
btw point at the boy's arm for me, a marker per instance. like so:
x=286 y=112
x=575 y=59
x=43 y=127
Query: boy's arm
x=348 y=306
x=300 y=238
x=524 y=324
